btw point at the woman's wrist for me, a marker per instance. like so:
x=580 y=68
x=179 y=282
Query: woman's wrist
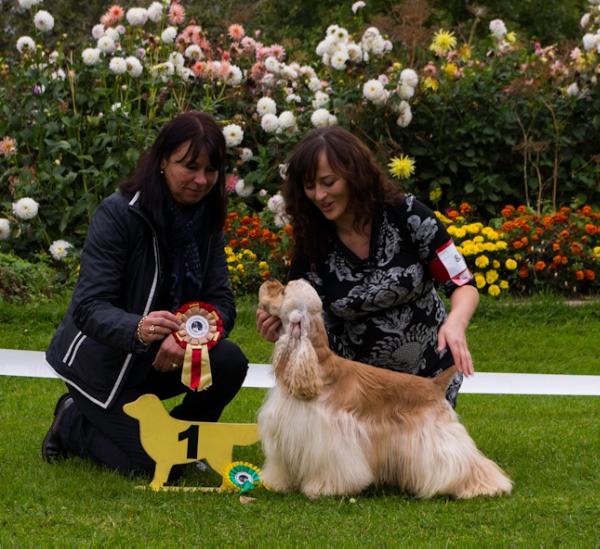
x=138 y=331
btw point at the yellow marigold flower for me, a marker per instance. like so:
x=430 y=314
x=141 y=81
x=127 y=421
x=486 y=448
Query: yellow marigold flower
x=263 y=265
x=396 y=66
x=442 y=218
x=443 y=41
x=231 y=258
x=482 y=262
x=460 y=232
x=501 y=245
x=496 y=264
x=239 y=267
x=491 y=276
x=228 y=250
x=490 y=233
x=479 y=280
x=494 y=290
x=511 y=37
x=510 y=264
x=430 y=83
x=249 y=254
x=596 y=251
x=435 y=195
x=450 y=70
x=504 y=284
x=478 y=238
x=401 y=166
x=472 y=228
x=489 y=247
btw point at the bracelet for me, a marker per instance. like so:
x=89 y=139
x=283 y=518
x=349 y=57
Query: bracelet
x=138 y=331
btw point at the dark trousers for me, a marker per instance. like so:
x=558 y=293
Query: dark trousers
x=111 y=438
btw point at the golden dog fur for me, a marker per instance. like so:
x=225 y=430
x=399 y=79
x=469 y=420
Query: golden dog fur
x=331 y=426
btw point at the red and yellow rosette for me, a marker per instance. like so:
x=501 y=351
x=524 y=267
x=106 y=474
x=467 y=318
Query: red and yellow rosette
x=200 y=330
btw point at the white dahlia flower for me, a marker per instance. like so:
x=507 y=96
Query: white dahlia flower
x=118 y=65
x=59 y=249
x=25 y=43
x=25 y=208
x=4 y=228
x=43 y=21
x=234 y=135
x=269 y=122
x=266 y=105
x=106 y=44
x=98 y=31
x=287 y=120
x=373 y=90
x=498 y=29
x=168 y=35
x=246 y=154
x=137 y=17
x=90 y=56
x=155 y=12
x=409 y=77
x=242 y=189
x=134 y=66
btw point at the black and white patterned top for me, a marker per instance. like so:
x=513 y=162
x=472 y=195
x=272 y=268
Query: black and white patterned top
x=385 y=310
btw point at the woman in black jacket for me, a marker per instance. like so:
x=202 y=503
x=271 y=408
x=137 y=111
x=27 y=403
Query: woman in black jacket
x=153 y=246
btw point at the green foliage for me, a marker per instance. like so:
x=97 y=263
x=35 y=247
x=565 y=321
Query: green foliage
x=22 y=281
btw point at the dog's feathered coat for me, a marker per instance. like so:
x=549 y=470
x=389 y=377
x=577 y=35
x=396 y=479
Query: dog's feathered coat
x=331 y=426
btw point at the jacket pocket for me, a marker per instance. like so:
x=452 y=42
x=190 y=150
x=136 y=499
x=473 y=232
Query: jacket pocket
x=73 y=348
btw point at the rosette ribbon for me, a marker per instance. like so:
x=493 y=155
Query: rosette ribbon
x=200 y=330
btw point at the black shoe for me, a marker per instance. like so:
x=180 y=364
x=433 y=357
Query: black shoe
x=52 y=447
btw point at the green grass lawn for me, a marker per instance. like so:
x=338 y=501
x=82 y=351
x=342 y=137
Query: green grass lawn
x=549 y=446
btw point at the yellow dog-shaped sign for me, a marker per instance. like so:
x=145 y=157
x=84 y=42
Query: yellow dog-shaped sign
x=169 y=441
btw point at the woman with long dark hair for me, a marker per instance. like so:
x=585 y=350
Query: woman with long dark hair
x=152 y=247
x=376 y=257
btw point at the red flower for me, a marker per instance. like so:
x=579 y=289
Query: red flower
x=590 y=229
x=579 y=275
x=540 y=265
x=590 y=275
x=586 y=210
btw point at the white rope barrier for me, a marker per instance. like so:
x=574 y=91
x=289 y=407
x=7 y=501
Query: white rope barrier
x=33 y=364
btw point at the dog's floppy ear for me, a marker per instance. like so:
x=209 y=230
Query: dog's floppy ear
x=270 y=296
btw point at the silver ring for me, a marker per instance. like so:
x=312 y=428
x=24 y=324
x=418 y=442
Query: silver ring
x=152 y=328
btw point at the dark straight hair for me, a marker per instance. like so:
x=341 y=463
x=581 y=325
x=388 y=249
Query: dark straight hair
x=350 y=159
x=202 y=131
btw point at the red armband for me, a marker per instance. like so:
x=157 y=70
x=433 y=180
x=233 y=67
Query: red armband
x=449 y=264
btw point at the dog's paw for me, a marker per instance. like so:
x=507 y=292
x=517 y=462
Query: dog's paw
x=276 y=482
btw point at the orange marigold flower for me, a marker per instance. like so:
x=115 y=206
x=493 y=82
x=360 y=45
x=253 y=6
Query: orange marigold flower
x=523 y=272
x=586 y=210
x=452 y=213
x=590 y=275
x=591 y=229
x=465 y=208
x=265 y=275
x=535 y=237
x=540 y=265
x=539 y=231
x=565 y=211
x=556 y=246
x=547 y=221
x=234 y=243
x=576 y=248
x=579 y=275
x=288 y=229
x=522 y=209
x=564 y=234
x=245 y=220
x=517 y=244
x=525 y=240
x=242 y=231
x=245 y=242
x=508 y=210
x=232 y=215
x=564 y=259
x=253 y=233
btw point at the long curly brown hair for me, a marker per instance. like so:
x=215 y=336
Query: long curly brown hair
x=350 y=159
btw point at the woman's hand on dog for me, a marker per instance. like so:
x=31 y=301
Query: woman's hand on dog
x=267 y=325
x=452 y=335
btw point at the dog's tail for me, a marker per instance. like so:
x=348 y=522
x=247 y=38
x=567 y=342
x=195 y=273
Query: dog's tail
x=444 y=379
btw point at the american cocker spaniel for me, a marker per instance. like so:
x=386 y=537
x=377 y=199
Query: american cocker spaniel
x=331 y=426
